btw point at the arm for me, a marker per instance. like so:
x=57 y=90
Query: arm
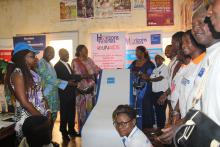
x=163 y=97
x=149 y=71
x=96 y=68
x=48 y=78
x=169 y=132
x=156 y=79
x=19 y=89
x=163 y=75
x=147 y=78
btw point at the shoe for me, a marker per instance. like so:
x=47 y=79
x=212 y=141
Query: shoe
x=55 y=144
x=65 y=137
x=74 y=134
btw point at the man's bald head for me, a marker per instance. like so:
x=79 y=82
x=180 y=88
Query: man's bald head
x=48 y=53
x=64 y=54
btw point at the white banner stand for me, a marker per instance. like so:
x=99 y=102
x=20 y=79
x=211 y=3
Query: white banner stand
x=98 y=130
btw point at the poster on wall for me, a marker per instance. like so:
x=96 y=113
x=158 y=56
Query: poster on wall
x=38 y=42
x=5 y=54
x=85 y=9
x=122 y=7
x=68 y=10
x=104 y=9
x=188 y=8
x=139 y=4
x=160 y=12
x=108 y=49
x=150 y=40
x=186 y=14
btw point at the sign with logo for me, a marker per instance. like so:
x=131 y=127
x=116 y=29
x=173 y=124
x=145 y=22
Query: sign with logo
x=108 y=50
x=150 y=40
x=37 y=42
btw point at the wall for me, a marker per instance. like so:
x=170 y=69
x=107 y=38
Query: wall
x=38 y=16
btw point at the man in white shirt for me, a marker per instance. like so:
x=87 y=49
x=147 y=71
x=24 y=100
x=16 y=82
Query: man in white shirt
x=173 y=66
x=124 y=120
x=159 y=79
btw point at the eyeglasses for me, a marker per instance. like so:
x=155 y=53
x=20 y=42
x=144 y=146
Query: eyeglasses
x=122 y=124
x=31 y=56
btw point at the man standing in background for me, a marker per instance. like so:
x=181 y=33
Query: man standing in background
x=67 y=96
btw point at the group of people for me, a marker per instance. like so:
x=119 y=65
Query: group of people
x=189 y=82
x=42 y=89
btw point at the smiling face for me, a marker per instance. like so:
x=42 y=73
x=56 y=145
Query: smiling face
x=187 y=45
x=201 y=31
x=214 y=14
x=124 y=124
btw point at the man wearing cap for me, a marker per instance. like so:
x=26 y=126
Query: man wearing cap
x=159 y=79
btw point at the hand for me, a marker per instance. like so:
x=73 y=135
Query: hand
x=72 y=83
x=88 y=76
x=145 y=77
x=168 y=134
x=162 y=99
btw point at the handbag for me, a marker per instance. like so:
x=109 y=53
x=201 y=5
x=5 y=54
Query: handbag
x=198 y=130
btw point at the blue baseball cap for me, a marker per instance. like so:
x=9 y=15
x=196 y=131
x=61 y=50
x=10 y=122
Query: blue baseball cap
x=21 y=46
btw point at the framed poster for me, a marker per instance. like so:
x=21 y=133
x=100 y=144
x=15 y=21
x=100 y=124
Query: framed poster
x=68 y=10
x=160 y=12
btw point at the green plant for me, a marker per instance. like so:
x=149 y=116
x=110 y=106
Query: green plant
x=3 y=66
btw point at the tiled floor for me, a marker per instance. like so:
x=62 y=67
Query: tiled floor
x=57 y=137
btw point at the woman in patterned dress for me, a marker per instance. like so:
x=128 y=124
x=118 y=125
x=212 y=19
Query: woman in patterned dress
x=25 y=84
x=83 y=65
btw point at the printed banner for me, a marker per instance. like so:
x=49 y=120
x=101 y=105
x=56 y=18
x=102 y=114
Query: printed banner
x=160 y=12
x=108 y=50
x=85 y=8
x=68 y=10
x=122 y=7
x=151 y=40
x=104 y=8
x=37 y=42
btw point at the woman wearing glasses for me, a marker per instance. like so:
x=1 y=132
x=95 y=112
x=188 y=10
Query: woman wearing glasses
x=124 y=120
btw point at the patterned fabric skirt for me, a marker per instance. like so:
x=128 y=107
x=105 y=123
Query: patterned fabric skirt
x=84 y=105
x=20 y=115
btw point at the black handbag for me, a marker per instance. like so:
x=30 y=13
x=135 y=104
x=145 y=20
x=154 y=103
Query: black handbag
x=197 y=131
